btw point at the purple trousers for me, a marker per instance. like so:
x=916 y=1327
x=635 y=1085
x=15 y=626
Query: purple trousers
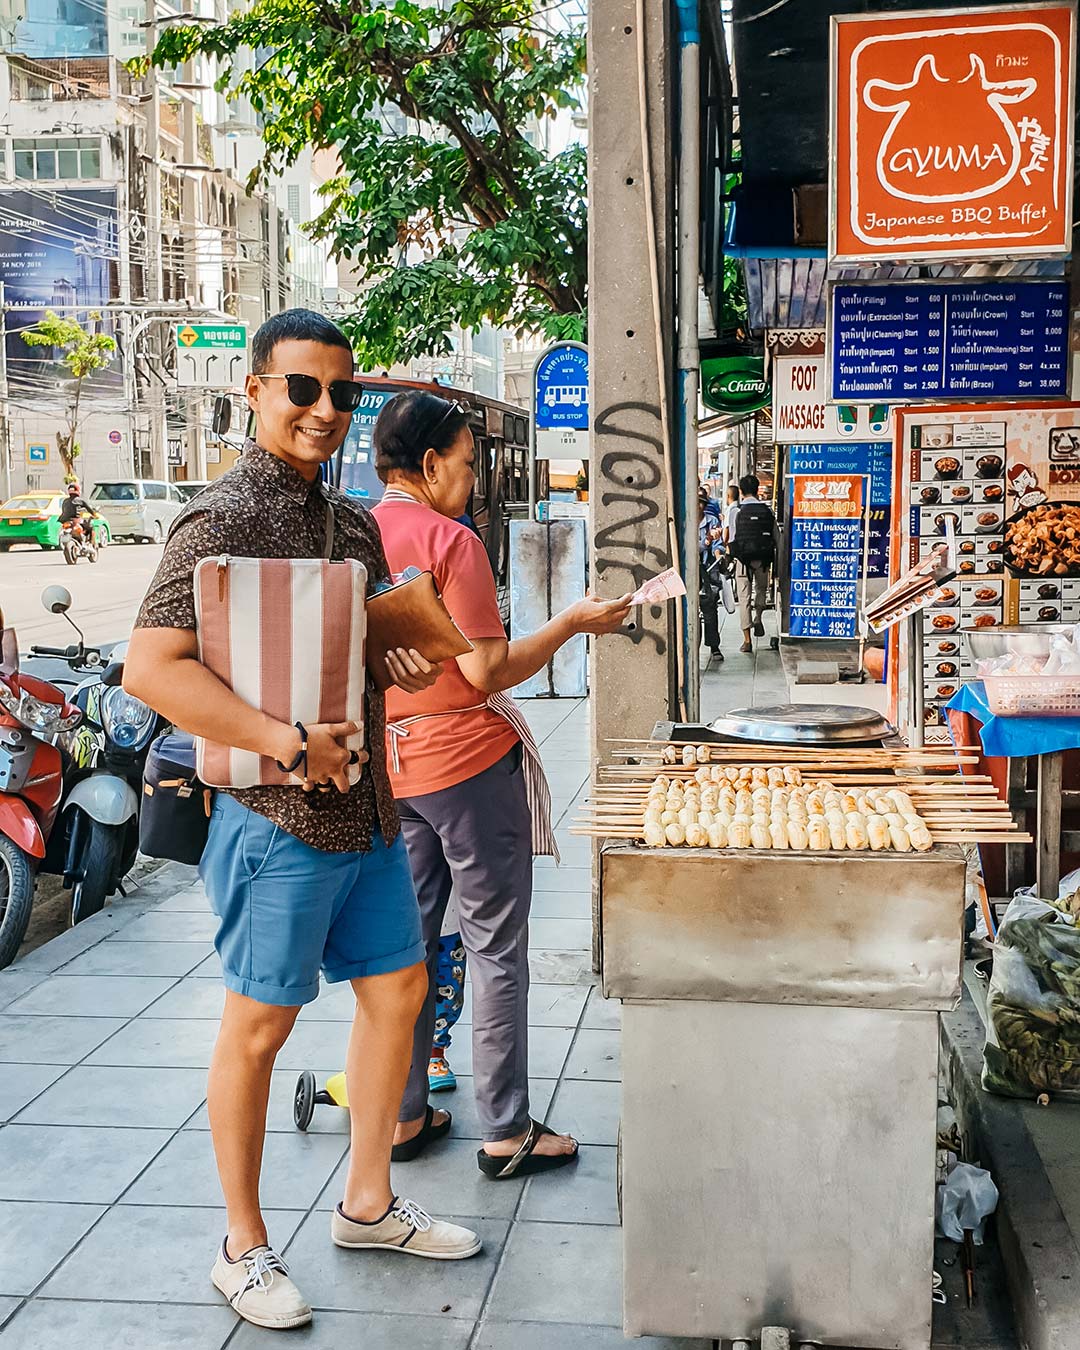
x=476 y=838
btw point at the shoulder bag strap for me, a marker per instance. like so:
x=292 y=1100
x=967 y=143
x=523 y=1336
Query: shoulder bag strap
x=328 y=546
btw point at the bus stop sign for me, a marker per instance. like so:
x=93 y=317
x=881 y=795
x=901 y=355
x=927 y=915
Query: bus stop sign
x=561 y=402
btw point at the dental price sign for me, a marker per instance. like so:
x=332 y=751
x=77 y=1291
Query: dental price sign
x=952 y=134
x=826 y=554
x=561 y=402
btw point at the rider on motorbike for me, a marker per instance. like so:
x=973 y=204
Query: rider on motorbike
x=75 y=505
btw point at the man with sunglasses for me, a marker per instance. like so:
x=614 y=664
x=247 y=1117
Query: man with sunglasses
x=302 y=878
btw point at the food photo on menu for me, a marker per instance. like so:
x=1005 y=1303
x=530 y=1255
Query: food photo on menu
x=1002 y=484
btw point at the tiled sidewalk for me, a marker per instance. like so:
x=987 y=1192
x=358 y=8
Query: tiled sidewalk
x=109 y=1206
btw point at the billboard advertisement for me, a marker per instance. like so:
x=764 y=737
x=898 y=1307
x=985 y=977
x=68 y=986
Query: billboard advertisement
x=57 y=250
x=952 y=133
x=57 y=28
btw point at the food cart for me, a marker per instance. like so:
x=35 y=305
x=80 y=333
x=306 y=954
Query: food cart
x=780 y=1041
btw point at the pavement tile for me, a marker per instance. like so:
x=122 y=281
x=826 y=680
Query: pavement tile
x=66 y=946
x=54 y=1324
x=547 y=1051
x=152 y=1254
x=560 y=967
x=561 y=935
x=52 y=1040
x=587 y=1110
x=279 y=1116
x=21 y=1083
x=191 y=901
x=550 y=1005
x=175 y=1043
x=566 y=904
x=7 y=1307
x=336 y=1003
x=152 y=1098
x=209 y=968
x=371 y=1331
x=559 y=1272
x=92 y=995
x=597 y=1055
x=539 y=1336
x=200 y=999
x=602 y=1014
x=392 y=1281
x=15 y=983
x=586 y=1192
x=35 y=1237
x=177 y=927
x=74 y=1163
x=296 y=1167
x=443 y=1180
x=576 y=879
x=314 y=1042
x=462 y=1106
x=119 y=957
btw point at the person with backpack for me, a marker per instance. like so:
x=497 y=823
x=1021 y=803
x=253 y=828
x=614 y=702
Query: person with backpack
x=755 y=546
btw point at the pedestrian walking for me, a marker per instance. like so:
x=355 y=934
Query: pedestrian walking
x=710 y=553
x=473 y=800
x=755 y=546
x=301 y=877
x=731 y=513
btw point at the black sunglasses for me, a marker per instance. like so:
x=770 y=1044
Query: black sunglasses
x=305 y=390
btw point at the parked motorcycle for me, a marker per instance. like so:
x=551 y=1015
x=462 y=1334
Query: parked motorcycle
x=98 y=843
x=77 y=539
x=33 y=713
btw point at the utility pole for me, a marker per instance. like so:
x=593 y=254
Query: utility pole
x=155 y=399
x=5 y=406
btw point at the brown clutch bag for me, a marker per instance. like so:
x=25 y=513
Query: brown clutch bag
x=411 y=614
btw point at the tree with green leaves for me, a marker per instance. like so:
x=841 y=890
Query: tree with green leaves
x=446 y=199
x=83 y=353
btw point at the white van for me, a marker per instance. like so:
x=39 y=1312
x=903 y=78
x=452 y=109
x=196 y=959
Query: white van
x=137 y=508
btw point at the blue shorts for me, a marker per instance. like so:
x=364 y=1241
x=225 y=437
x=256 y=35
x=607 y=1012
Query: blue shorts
x=288 y=910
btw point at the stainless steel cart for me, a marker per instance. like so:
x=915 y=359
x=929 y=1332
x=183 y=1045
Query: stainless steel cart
x=780 y=1087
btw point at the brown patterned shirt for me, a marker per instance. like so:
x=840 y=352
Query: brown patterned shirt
x=264 y=508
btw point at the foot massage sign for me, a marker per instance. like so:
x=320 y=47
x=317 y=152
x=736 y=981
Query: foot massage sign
x=826 y=554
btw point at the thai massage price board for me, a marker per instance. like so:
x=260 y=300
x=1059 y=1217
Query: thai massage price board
x=826 y=555
x=965 y=341
x=871 y=460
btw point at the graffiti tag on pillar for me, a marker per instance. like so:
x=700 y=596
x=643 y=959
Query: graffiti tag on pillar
x=628 y=481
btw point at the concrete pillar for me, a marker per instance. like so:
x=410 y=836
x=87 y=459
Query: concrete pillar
x=633 y=675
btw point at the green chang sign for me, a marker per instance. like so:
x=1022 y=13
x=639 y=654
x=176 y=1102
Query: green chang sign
x=734 y=384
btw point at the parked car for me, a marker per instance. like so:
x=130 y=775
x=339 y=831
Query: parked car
x=191 y=488
x=137 y=508
x=34 y=518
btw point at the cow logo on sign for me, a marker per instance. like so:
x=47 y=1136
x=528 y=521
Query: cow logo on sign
x=952 y=133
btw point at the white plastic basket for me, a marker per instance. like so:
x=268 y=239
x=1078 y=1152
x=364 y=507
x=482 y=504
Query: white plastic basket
x=1033 y=695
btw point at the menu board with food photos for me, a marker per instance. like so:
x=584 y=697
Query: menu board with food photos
x=1003 y=479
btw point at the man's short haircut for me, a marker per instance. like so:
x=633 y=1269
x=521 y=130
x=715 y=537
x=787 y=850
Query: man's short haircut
x=748 y=485
x=294 y=325
x=733 y=488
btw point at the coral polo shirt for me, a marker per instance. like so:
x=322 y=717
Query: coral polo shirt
x=441 y=752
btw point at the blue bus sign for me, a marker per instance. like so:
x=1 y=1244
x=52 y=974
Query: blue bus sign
x=561 y=388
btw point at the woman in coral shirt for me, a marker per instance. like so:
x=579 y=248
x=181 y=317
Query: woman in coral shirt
x=467 y=778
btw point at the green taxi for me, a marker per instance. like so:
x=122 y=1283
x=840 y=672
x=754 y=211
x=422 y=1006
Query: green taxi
x=34 y=518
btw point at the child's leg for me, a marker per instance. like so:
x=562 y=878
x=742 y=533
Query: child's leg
x=449 y=1000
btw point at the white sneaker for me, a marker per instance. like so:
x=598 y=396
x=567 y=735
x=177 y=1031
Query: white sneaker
x=405 y=1227
x=257 y=1285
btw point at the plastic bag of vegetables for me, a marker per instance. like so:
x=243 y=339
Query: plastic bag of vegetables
x=1033 y=1036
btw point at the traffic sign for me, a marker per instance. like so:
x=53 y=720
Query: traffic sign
x=561 y=402
x=211 y=355
x=115 y=438
x=37 y=454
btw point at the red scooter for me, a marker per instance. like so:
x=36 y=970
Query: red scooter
x=32 y=713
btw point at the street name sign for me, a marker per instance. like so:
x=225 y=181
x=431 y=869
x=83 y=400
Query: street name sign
x=952 y=133
x=211 y=355
x=961 y=341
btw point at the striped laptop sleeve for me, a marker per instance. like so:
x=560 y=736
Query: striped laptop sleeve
x=287 y=635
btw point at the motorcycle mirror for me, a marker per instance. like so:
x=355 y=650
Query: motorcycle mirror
x=114 y=674
x=56 y=599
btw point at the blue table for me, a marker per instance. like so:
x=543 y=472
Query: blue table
x=1018 y=739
